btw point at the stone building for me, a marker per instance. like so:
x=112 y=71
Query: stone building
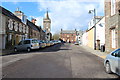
x=47 y=27
x=68 y=35
x=112 y=25
x=12 y=29
x=42 y=34
x=34 y=31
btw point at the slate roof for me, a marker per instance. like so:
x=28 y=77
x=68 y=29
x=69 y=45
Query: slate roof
x=12 y=16
x=9 y=14
x=32 y=25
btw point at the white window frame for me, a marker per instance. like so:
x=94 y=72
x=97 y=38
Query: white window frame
x=113 y=7
x=113 y=38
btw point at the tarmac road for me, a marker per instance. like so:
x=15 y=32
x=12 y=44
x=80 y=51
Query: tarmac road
x=58 y=61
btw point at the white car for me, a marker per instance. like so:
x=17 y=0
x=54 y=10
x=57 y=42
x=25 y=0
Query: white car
x=112 y=62
x=27 y=44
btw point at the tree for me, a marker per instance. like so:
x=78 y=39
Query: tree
x=56 y=36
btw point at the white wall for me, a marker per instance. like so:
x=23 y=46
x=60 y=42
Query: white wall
x=2 y=31
x=100 y=31
x=85 y=38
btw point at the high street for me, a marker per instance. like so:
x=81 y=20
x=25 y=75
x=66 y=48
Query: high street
x=59 y=61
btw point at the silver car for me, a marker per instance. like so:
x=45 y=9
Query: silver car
x=112 y=62
x=27 y=44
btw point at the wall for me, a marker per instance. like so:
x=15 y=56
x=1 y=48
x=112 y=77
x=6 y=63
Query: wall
x=2 y=31
x=91 y=38
x=85 y=38
x=111 y=21
x=100 y=31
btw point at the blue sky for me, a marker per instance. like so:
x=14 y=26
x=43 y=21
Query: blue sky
x=65 y=14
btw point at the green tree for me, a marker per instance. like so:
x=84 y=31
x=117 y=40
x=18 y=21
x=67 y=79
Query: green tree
x=56 y=36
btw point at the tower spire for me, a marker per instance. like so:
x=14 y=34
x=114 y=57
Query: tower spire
x=47 y=16
x=17 y=9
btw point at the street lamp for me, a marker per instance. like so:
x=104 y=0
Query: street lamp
x=94 y=12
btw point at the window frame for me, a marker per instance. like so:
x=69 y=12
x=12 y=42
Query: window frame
x=113 y=7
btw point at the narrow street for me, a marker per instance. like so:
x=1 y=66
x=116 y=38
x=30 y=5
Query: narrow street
x=58 y=61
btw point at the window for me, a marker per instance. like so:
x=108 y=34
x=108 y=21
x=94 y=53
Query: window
x=113 y=38
x=20 y=43
x=113 y=7
x=116 y=53
x=119 y=53
x=27 y=42
x=34 y=41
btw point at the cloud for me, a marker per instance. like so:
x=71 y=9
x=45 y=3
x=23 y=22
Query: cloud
x=69 y=14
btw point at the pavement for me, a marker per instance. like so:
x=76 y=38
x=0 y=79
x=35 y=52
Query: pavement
x=96 y=52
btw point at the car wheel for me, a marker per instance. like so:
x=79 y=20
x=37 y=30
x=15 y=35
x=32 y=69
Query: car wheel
x=108 y=68
x=15 y=49
x=28 y=49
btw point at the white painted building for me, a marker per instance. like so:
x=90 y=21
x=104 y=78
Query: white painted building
x=92 y=21
x=79 y=37
x=85 y=38
x=100 y=32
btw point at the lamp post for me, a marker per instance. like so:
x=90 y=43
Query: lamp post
x=94 y=13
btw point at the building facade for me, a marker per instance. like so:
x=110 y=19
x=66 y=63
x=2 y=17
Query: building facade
x=100 y=33
x=95 y=39
x=13 y=29
x=79 y=37
x=68 y=35
x=34 y=30
x=112 y=25
x=16 y=27
x=47 y=27
x=85 y=38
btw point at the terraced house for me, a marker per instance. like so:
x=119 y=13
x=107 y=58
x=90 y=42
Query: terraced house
x=112 y=24
x=16 y=27
x=13 y=29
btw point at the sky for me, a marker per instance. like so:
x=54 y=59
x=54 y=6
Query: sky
x=64 y=14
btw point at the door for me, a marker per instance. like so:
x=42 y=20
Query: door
x=20 y=45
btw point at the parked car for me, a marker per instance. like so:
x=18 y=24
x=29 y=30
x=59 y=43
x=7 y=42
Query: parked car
x=59 y=41
x=55 y=41
x=51 y=43
x=42 y=44
x=27 y=44
x=112 y=62
x=76 y=43
x=47 y=43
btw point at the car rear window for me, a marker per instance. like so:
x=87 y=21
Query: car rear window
x=34 y=41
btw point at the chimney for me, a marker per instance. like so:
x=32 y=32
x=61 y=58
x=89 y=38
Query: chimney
x=33 y=20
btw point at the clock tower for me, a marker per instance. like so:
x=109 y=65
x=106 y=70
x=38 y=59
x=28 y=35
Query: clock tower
x=47 y=26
